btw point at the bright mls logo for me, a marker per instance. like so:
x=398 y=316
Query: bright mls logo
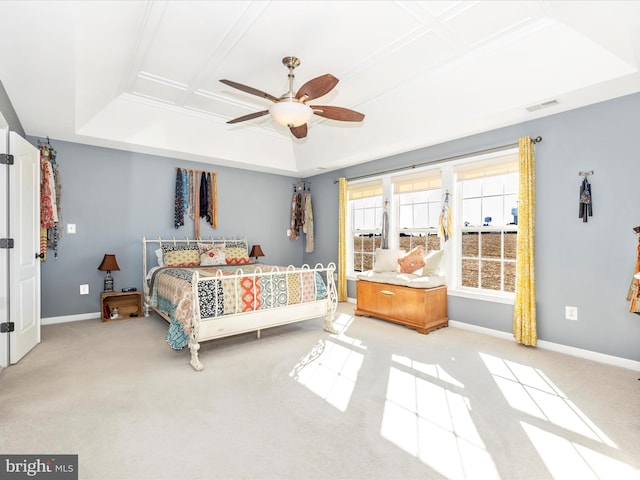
x=51 y=467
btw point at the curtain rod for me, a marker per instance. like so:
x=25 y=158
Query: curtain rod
x=538 y=139
x=195 y=171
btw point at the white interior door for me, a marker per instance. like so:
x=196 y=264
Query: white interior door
x=4 y=254
x=24 y=228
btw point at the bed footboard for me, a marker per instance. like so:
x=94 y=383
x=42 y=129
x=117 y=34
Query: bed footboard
x=204 y=329
x=201 y=326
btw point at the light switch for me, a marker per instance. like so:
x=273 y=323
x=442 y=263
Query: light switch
x=571 y=313
x=71 y=228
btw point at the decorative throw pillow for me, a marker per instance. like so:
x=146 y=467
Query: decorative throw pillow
x=211 y=255
x=235 y=256
x=412 y=261
x=159 y=256
x=387 y=260
x=434 y=263
x=236 y=252
x=180 y=255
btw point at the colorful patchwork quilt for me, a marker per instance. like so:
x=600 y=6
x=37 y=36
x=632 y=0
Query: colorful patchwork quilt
x=228 y=290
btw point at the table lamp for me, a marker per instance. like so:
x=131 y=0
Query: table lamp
x=256 y=251
x=108 y=263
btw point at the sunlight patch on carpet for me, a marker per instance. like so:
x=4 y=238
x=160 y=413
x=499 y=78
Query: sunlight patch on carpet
x=330 y=370
x=567 y=459
x=431 y=421
x=528 y=390
x=563 y=435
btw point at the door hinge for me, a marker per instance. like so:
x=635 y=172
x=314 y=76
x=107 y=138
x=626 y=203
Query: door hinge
x=7 y=327
x=6 y=159
x=6 y=242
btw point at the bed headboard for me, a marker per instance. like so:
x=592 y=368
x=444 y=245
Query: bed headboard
x=151 y=256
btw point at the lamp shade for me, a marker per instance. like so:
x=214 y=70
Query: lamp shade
x=290 y=113
x=256 y=251
x=109 y=263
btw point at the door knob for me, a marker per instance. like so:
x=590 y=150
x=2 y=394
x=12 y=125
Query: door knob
x=39 y=255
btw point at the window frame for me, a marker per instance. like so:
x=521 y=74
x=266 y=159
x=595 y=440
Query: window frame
x=452 y=267
x=359 y=188
x=492 y=165
x=428 y=180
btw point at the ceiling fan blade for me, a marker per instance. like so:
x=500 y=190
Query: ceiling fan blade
x=317 y=87
x=249 y=117
x=337 y=113
x=299 y=132
x=251 y=90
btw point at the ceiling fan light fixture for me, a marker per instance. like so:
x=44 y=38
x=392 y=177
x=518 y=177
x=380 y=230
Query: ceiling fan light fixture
x=290 y=113
x=291 y=110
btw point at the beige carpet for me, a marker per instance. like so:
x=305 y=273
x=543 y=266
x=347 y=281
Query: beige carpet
x=378 y=401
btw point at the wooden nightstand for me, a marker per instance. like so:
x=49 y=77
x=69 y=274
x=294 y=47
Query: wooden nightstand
x=125 y=302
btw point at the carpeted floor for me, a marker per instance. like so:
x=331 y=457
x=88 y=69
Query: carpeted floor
x=378 y=401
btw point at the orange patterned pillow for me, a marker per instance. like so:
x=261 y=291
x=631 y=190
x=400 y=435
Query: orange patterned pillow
x=412 y=261
x=236 y=255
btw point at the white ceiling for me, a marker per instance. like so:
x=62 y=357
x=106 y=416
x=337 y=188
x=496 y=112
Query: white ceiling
x=144 y=75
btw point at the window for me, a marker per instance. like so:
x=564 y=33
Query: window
x=365 y=210
x=480 y=258
x=488 y=223
x=418 y=199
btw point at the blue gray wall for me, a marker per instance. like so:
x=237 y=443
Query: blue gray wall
x=115 y=197
x=587 y=265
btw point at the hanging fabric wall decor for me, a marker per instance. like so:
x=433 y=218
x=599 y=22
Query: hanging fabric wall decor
x=302 y=215
x=384 y=241
x=209 y=202
x=203 y=195
x=586 y=197
x=446 y=222
x=50 y=200
x=633 y=294
x=196 y=196
x=178 y=215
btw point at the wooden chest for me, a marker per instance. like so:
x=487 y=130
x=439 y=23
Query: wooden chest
x=423 y=309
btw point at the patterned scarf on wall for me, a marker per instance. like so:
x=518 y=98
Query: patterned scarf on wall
x=178 y=215
x=209 y=204
x=203 y=195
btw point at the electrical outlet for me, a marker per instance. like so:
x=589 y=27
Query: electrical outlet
x=84 y=289
x=71 y=228
x=571 y=313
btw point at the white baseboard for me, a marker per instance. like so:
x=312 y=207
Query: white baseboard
x=69 y=318
x=556 y=347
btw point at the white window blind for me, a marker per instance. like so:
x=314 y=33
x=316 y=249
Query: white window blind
x=365 y=190
x=416 y=182
x=486 y=168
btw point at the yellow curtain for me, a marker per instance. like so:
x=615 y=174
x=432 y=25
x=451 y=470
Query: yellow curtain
x=342 y=240
x=524 y=311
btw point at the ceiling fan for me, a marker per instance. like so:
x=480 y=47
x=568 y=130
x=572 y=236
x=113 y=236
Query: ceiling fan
x=291 y=109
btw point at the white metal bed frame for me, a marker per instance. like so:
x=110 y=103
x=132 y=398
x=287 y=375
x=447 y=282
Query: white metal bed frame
x=204 y=329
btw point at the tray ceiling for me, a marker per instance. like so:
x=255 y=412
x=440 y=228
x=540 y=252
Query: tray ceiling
x=144 y=76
